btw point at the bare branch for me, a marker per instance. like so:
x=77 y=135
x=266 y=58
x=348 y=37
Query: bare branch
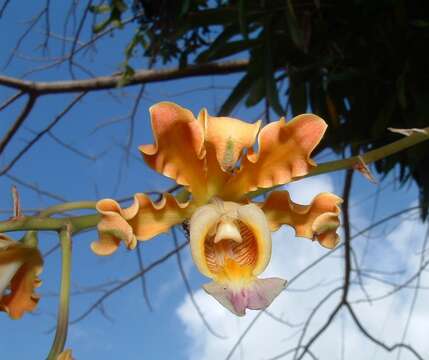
x=11 y=100
x=47 y=25
x=3 y=7
x=416 y=290
x=310 y=317
x=71 y=148
x=18 y=122
x=110 y=82
x=347 y=236
x=328 y=322
x=76 y=37
x=40 y=134
x=143 y=278
x=35 y=188
x=132 y=119
x=378 y=342
x=189 y=290
x=33 y=23
x=124 y=283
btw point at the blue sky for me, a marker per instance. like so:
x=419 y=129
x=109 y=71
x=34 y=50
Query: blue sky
x=172 y=329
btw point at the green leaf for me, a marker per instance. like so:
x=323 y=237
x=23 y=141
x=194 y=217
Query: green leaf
x=138 y=39
x=237 y=94
x=127 y=74
x=117 y=23
x=185 y=7
x=100 y=9
x=294 y=29
x=221 y=40
x=242 y=12
x=384 y=117
x=119 y=5
x=271 y=91
x=297 y=96
x=101 y=26
x=257 y=92
x=227 y=49
x=220 y=16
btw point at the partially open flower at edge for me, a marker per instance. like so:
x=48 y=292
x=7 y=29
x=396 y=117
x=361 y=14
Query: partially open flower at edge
x=20 y=266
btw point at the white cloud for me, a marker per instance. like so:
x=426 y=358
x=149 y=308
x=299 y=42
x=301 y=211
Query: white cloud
x=384 y=319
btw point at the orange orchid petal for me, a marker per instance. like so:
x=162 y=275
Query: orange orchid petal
x=178 y=151
x=27 y=263
x=143 y=220
x=317 y=221
x=228 y=136
x=284 y=154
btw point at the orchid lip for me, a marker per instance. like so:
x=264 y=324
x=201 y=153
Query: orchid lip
x=230 y=241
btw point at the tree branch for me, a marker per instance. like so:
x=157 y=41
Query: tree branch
x=378 y=342
x=18 y=122
x=39 y=135
x=113 y=81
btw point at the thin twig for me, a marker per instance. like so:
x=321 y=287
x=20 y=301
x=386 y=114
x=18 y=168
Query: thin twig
x=111 y=82
x=40 y=134
x=189 y=290
x=35 y=188
x=3 y=8
x=18 y=122
x=143 y=278
x=11 y=100
x=128 y=281
x=378 y=342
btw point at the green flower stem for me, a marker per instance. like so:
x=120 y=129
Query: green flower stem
x=77 y=223
x=63 y=311
x=369 y=157
x=373 y=155
x=30 y=238
x=61 y=208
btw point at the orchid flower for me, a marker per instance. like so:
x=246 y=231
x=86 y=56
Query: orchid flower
x=230 y=236
x=20 y=266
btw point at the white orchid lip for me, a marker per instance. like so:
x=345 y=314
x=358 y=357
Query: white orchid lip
x=230 y=240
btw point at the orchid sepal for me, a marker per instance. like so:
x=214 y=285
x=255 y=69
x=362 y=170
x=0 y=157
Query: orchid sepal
x=318 y=221
x=142 y=220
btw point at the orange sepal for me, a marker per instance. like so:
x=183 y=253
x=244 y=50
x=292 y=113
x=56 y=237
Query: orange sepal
x=284 y=154
x=143 y=220
x=21 y=297
x=317 y=221
x=228 y=136
x=179 y=150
